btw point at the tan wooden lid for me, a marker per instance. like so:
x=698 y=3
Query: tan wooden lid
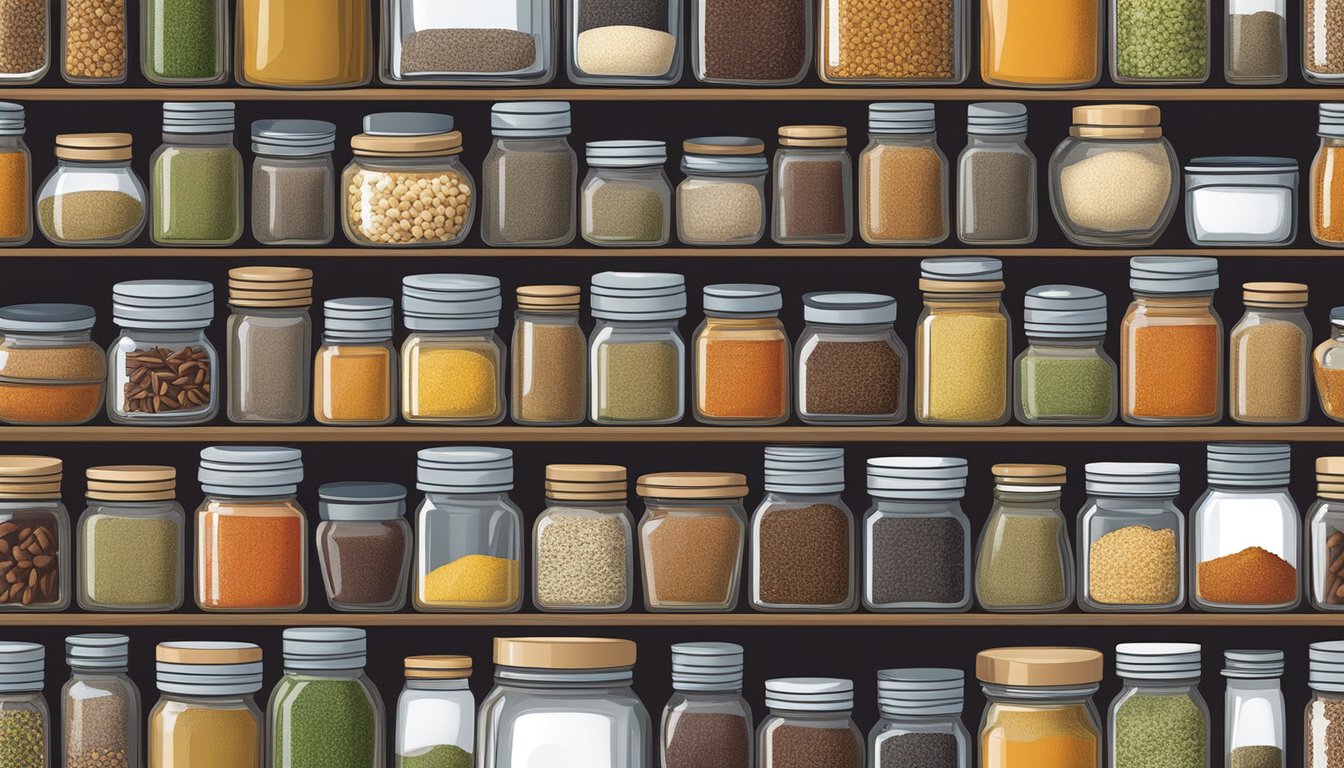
x=813 y=136
x=1029 y=474
x=693 y=485
x=438 y=667
x=744 y=148
x=554 y=298
x=131 y=483
x=930 y=285
x=207 y=653
x=564 y=652
x=1330 y=477
x=270 y=275
x=449 y=143
x=1039 y=666
x=93 y=146
x=20 y=466
x=1117 y=121
x=585 y=482
x=1283 y=295
x=276 y=287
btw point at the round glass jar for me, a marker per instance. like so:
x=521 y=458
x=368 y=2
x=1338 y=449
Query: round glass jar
x=280 y=46
x=963 y=343
x=24 y=713
x=51 y=370
x=1038 y=707
x=636 y=355
x=624 y=44
x=196 y=176
x=884 y=44
x=355 y=372
x=16 y=162
x=706 y=722
x=1024 y=561
x=625 y=201
x=529 y=176
x=583 y=542
x=1269 y=350
x=1324 y=714
x=1325 y=537
x=920 y=720
x=100 y=705
x=131 y=540
x=902 y=177
x=1164 y=48
x=206 y=712
x=436 y=713
x=185 y=44
x=1131 y=539
x=1235 y=201
x=813 y=181
x=326 y=710
x=1327 y=363
x=293 y=182
x=742 y=357
x=35 y=532
x=851 y=365
x=1064 y=376
x=161 y=368
x=1159 y=710
x=691 y=540
x=94 y=42
x=996 y=177
x=92 y=198
x=766 y=43
x=809 y=716
x=364 y=545
x=1326 y=199
x=550 y=357
x=452 y=363
x=425 y=42
x=270 y=340
x=722 y=199
x=1022 y=47
x=1253 y=710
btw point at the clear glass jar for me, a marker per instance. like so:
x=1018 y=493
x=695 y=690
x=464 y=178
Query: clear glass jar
x=963 y=343
x=529 y=176
x=355 y=372
x=325 y=710
x=1159 y=714
x=613 y=43
x=452 y=363
x=1024 y=561
x=16 y=162
x=626 y=198
x=877 y=43
x=813 y=180
x=809 y=722
x=293 y=182
x=920 y=720
x=1255 y=39
x=902 y=177
x=1115 y=181
x=1163 y=48
x=1041 y=43
x=1327 y=363
x=691 y=539
x=35 y=531
x=1270 y=348
x=93 y=45
x=304 y=44
x=206 y=713
x=25 y=35
x=92 y=198
x=1322 y=54
x=185 y=43
x=425 y=42
x=24 y=714
x=1249 y=201
x=766 y=43
x=1325 y=536
x=741 y=357
x=1254 y=719
x=132 y=541
x=270 y=339
x=436 y=713
x=1131 y=539
x=1247 y=532
x=636 y=355
x=996 y=177
x=851 y=365
x=1324 y=714
x=100 y=705
x=1327 y=177
x=583 y=542
x=51 y=370
x=163 y=324
x=196 y=176
x=550 y=357
x=722 y=199
x=364 y=545
x=1064 y=376
x=1039 y=708
x=706 y=722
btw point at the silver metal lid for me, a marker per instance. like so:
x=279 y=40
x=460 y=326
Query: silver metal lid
x=1331 y=120
x=1241 y=164
x=637 y=296
x=407 y=123
x=1158 y=661
x=293 y=138
x=250 y=470
x=804 y=469
x=920 y=692
x=707 y=666
x=741 y=155
x=1253 y=664
x=11 y=119
x=961 y=268
x=1132 y=478
x=530 y=119
x=1064 y=312
x=450 y=302
x=313 y=648
x=357 y=319
x=163 y=304
x=1173 y=274
x=97 y=651
x=46 y=318
x=357 y=501
x=917 y=478
x=842 y=308
x=810 y=694
x=464 y=469
x=996 y=118
x=198 y=116
x=1253 y=465
x=901 y=117
x=625 y=153
x=742 y=299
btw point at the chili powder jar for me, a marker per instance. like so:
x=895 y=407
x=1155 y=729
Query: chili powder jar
x=741 y=357
x=355 y=373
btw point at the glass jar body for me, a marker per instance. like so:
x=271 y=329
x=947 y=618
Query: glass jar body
x=548 y=712
x=1171 y=361
x=851 y=374
x=1325 y=544
x=1031 y=44
x=47 y=524
x=185 y=44
x=1245 y=553
x=584 y=557
x=407 y=202
x=1153 y=48
x=903 y=190
x=132 y=556
x=427 y=43
x=91 y=204
x=197 y=185
x=27 y=717
x=101 y=712
x=731 y=46
x=1269 y=382
x=16 y=177
x=784 y=737
x=963 y=361
x=1327 y=192
x=690 y=553
x=802 y=554
x=51 y=379
x=528 y=192
x=1059 y=381
x=453 y=377
x=468 y=553
x=1324 y=718
x=355 y=383
x=94 y=42
x=626 y=207
x=1322 y=55
x=1131 y=554
x=436 y=723
x=138 y=354
x=251 y=554
x=1254 y=722
x=741 y=371
x=307 y=44
x=1327 y=363
x=269 y=364
x=1024 y=561
x=996 y=183
x=706 y=725
x=1255 y=41
x=636 y=372
x=365 y=563
x=875 y=43
x=550 y=369
x=721 y=208
x=1114 y=192
x=27 y=37
x=293 y=199
x=1167 y=717
x=326 y=717
x=813 y=201
x=917 y=557
x=186 y=730
x=1026 y=727
x=624 y=45
x=936 y=741
x=1240 y=207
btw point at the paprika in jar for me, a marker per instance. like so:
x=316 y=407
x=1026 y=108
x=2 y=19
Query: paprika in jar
x=741 y=357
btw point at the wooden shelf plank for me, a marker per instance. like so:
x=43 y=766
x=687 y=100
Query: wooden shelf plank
x=858 y=251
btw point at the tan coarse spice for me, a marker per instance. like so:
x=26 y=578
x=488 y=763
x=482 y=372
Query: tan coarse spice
x=405 y=207
x=1134 y=565
x=89 y=215
x=901 y=195
x=1323 y=36
x=549 y=360
x=1269 y=360
x=719 y=211
x=1117 y=190
x=23 y=36
x=692 y=557
x=625 y=51
x=1020 y=563
x=95 y=38
x=82 y=363
x=581 y=560
x=625 y=212
x=96 y=726
x=889 y=39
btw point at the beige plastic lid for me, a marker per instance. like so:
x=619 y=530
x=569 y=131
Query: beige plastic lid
x=132 y=482
x=1330 y=477
x=931 y=285
x=93 y=146
x=275 y=287
x=30 y=477
x=1029 y=474
x=438 y=667
x=1274 y=295
x=585 y=482
x=813 y=136
x=693 y=485
x=207 y=653
x=549 y=298
x=564 y=652
x=736 y=147
x=431 y=145
x=1039 y=666
x=1117 y=121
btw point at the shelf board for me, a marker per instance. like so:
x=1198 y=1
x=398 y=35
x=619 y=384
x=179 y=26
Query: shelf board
x=858 y=251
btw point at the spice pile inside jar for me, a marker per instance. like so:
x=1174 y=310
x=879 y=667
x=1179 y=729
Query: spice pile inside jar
x=51 y=372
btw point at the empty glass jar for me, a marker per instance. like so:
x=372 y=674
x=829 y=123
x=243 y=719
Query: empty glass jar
x=1270 y=347
x=1131 y=539
x=1024 y=561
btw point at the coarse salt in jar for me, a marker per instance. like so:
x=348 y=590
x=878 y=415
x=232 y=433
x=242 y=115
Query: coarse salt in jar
x=293 y=182
x=1131 y=539
x=902 y=177
x=364 y=545
x=131 y=540
x=528 y=178
x=35 y=533
x=706 y=722
x=425 y=42
x=920 y=720
x=626 y=198
x=162 y=368
x=270 y=338
x=813 y=180
x=206 y=713
x=583 y=542
x=742 y=357
x=851 y=365
x=436 y=713
x=636 y=355
x=1249 y=201
x=809 y=722
x=1269 y=351
x=722 y=199
x=1024 y=561
x=1039 y=708
x=1064 y=376
x=355 y=371
x=550 y=357
x=963 y=343
x=51 y=370
x=93 y=197
x=452 y=363
x=691 y=540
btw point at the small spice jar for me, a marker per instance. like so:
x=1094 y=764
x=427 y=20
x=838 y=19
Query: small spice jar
x=27 y=28
x=25 y=717
x=996 y=177
x=1171 y=343
x=1325 y=711
x=100 y=705
x=489 y=44
x=1159 y=711
x=813 y=179
x=196 y=176
x=1131 y=539
x=92 y=198
x=1328 y=365
x=529 y=175
x=406 y=185
x=802 y=534
x=1255 y=38
x=765 y=43
x=583 y=542
x=626 y=198
x=452 y=363
x=1020 y=46
x=205 y=710
x=1327 y=177
x=1115 y=180
x=355 y=373
x=706 y=722
x=325 y=709
x=1024 y=561
x=920 y=720
x=1064 y=376
x=51 y=370
x=30 y=503
x=963 y=343
x=852 y=367
x=1254 y=718
x=1325 y=536
x=624 y=43
x=1248 y=201
x=131 y=540
x=469 y=533
x=93 y=45
x=16 y=169
x=185 y=43
x=436 y=713
x=691 y=539
x=251 y=533
x=1322 y=48
x=809 y=722
x=550 y=357
x=916 y=539
x=1270 y=349
x=279 y=46
x=1246 y=532
x=722 y=199
x=741 y=357
x=636 y=356
x=293 y=182
x=1164 y=44
x=162 y=369
x=270 y=336
x=1038 y=707
x=902 y=177
x=876 y=43
x=364 y=545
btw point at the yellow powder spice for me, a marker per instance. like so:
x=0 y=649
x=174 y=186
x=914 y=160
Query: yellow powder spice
x=189 y=736
x=963 y=360
x=353 y=385
x=452 y=384
x=478 y=581
x=1134 y=565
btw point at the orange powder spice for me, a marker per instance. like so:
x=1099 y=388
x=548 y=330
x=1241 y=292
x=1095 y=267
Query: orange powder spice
x=744 y=379
x=251 y=561
x=1039 y=738
x=353 y=385
x=1173 y=371
x=13 y=195
x=1330 y=384
x=1253 y=576
x=1327 y=179
x=1039 y=42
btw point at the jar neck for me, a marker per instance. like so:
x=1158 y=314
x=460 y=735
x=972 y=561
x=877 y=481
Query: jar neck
x=340 y=341
x=1062 y=694
x=92 y=165
x=270 y=311
x=820 y=327
x=421 y=684
x=996 y=141
x=331 y=674
x=670 y=324
x=1173 y=301
x=1337 y=332
x=570 y=315
x=165 y=334
x=915 y=506
x=832 y=497
x=199 y=139
x=978 y=301
x=49 y=338
x=1265 y=684
x=474 y=333
x=1089 y=343
x=600 y=506
x=203 y=700
x=837 y=716
x=92 y=672
x=1161 y=686
x=469 y=498
x=241 y=499
x=564 y=678
x=1130 y=503
x=1246 y=490
x=742 y=320
x=1017 y=496
x=401 y=161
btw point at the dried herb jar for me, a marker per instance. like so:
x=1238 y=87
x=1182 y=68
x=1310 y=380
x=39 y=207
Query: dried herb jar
x=1024 y=561
x=1159 y=710
x=626 y=198
x=211 y=683
x=636 y=355
x=196 y=176
x=270 y=340
x=185 y=43
x=93 y=197
x=355 y=373
x=364 y=545
x=707 y=719
x=162 y=369
x=326 y=709
x=1131 y=539
x=30 y=501
x=583 y=542
x=691 y=540
x=528 y=179
x=722 y=199
x=293 y=182
x=100 y=704
x=51 y=370
x=131 y=540
x=1064 y=376
x=742 y=357
x=550 y=357
x=851 y=367
x=23 y=706
x=452 y=363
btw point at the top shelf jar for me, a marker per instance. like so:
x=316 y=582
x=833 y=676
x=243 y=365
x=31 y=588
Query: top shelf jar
x=302 y=43
x=624 y=42
x=1041 y=45
x=431 y=42
x=1159 y=41
x=751 y=42
x=908 y=43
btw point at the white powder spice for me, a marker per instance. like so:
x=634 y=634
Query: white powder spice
x=1117 y=190
x=720 y=212
x=625 y=51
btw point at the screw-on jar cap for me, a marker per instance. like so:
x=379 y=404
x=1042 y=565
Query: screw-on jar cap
x=1132 y=478
x=438 y=667
x=357 y=319
x=530 y=119
x=920 y=691
x=707 y=666
x=810 y=694
x=129 y=482
x=1326 y=666
x=21 y=666
x=97 y=651
x=804 y=469
x=93 y=147
x=742 y=299
x=1253 y=465
x=11 y=119
x=996 y=118
x=464 y=469
x=450 y=302
x=625 y=153
x=1173 y=274
x=198 y=116
x=30 y=477
x=1064 y=312
x=324 y=648
x=163 y=304
x=839 y=308
x=1039 y=666
x=1331 y=120
x=1157 y=661
x=585 y=482
x=356 y=501
x=1250 y=665
x=270 y=287
x=208 y=668
x=1117 y=121
x=549 y=298
x=573 y=653
x=961 y=274
x=638 y=296
x=293 y=138
x=724 y=154
x=1029 y=478
x=46 y=318
x=1274 y=295
x=250 y=470
x=1241 y=165
x=889 y=117
x=1330 y=477
x=417 y=134
x=917 y=478
x=692 y=485
x=816 y=136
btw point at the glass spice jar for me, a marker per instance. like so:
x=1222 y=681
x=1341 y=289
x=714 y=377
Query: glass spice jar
x=206 y=712
x=16 y=168
x=1131 y=539
x=691 y=540
x=583 y=542
x=626 y=198
x=1064 y=376
x=636 y=355
x=26 y=28
x=51 y=370
x=1249 y=201
x=293 y=182
x=809 y=722
x=326 y=710
x=1159 y=711
x=196 y=176
x=876 y=43
x=996 y=177
x=624 y=43
x=1322 y=51
x=436 y=713
x=1255 y=40
x=1327 y=362
x=813 y=179
x=528 y=177
x=1159 y=48
x=902 y=177
x=759 y=43
x=1024 y=561
x=304 y=44
x=25 y=717
x=364 y=545
x=1038 y=708
x=920 y=720
x=100 y=704
x=1033 y=44
x=355 y=373
x=722 y=199
x=452 y=363
x=851 y=365
x=1270 y=350
x=270 y=338
x=94 y=43
x=93 y=197
x=185 y=43
x=162 y=369
x=425 y=42
x=35 y=533
x=706 y=722
x=1325 y=537
x=741 y=357
x=963 y=343
x=550 y=357
x=131 y=540
x=1254 y=720
x=1324 y=714
x=1327 y=178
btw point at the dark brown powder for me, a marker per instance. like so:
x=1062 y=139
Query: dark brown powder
x=754 y=40
x=793 y=746
x=918 y=560
x=362 y=561
x=852 y=378
x=814 y=199
x=805 y=555
x=707 y=740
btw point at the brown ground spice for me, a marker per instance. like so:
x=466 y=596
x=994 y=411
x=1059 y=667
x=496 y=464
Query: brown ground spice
x=814 y=199
x=1253 y=576
x=852 y=378
x=694 y=558
x=707 y=740
x=804 y=556
x=793 y=746
x=901 y=195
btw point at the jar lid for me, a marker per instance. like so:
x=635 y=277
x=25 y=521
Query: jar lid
x=900 y=117
x=408 y=134
x=1326 y=666
x=464 y=469
x=21 y=666
x=1064 y=312
x=1039 y=666
x=724 y=154
x=1158 y=661
x=1117 y=121
x=324 y=648
x=46 y=318
x=1274 y=295
x=996 y=118
x=198 y=116
x=564 y=652
x=813 y=136
x=30 y=477
x=549 y=298
x=97 y=651
x=585 y=482
x=96 y=147
x=11 y=119
x=1254 y=465
x=1331 y=120
x=163 y=304
x=1242 y=164
x=208 y=668
x=208 y=652
x=636 y=296
x=293 y=138
x=961 y=274
x=358 y=501
x=1173 y=274
x=1252 y=665
x=625 y=153
x=250 y=470
x=840 y=308
x=438 y=667
x=804 y=469
x=1132 y=478
x=530 y=119
x=407 y=123
x=270 y=287
x=1029 y=478
x=132 y=482
x=450 y=302
x=692 y=485
x=917 y=478
x=1330 y=477
x=707 y=667
x=920 y=691
x=742 y=299
x=357 y=319
x=810 y=694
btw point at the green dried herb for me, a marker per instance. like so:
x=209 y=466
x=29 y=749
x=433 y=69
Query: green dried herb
x=23 y=739
x=1160 y=732
x=322 y=722
x=441 y=756
x=1080 y=388
x=1162 y=39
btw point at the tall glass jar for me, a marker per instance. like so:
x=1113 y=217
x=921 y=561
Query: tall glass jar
x=1159 y=48
x=131 y=540
x=325 y=710
x=996 y=177
x=566 y=696
x=1159 y=711
x=920 y=720
x=1270 y=348
x=612 y=43
x=691 y=540
x=364 y=545
x=1247 y=532
x=185 y=43
x=813 y=180
x=100 y=705
x=626 y=198
x=741 y=357
x=1322 y=53
x=1327 y=362
x=550 y=357
x=1325 y=537
x=92 y=198
x=528 y=177
x=304 y=43
x=1024 y=561
x=1041 y=44
x=425 y=42
x=1171 y=343
x=469 y=533
x=162 y=369
x=293 y=182
x=1253 y=709
x=51 y=370
x=902 y=177
x=1327 y=176
x=1064 y=376
x=16 y=165
x=30 y=502
x=452 y=363
x=355 y=372
x=583 y=542
x=880 y=43
x=1039 y=707
x=766 y=43
x=196 y=176
x=1325 y=711
x=809 y=722
x=24 y=713
x=706 y=723
x=1255 y=42
x=851 y=366
x=636 y=354
x=1131 y=539
x=436 y=713
x=25 y=29
x=206 y=713
x=722 y=199
x=963 y=343
x=94 y=42
x=270 y=342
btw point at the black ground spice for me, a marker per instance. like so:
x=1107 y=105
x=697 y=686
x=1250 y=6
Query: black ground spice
x=708 y=740
x=793 y=746
x=805 y=555
x=650 y=14
x=754 y=40
x=363 y=561
x=918 y=750
x=918 y=560
x=853 y=378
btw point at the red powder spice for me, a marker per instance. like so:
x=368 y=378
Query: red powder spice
x=251 y=561
x=1253 y=576
x=1173 y=371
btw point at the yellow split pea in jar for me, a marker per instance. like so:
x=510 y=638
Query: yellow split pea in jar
x=452 y=364
x=962 y=343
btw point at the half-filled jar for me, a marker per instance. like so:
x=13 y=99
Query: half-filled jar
x=1039 y=708
x=452 y=364
x=35 y=534
x=51 y=370
x=92 y=198
x=691 y=540
x=1270 y=348
x=528 y=177
x=270 y=335
x=897 y=44
x=852 y=367
x=355 y=370
x=920 y=720
x=1131 y=539
x=626 y=198
x=583 y=542
x=963 y=343
x=636 y=355
x=162 y=369
x=185 y=43
x=813 y=179
x=612 y=42
x=1255 y=732
x=436 y=714
x=429 y=43
x=550 y=357
x=206 y=713
x=131 y=540
x=303 y=43
x=16 y=165
x=996 y=177
x=741 y=357
x=293 y=182
x=94 y=41
x=364 y=545
x=722 y=199
x=1064 y=376
x=1249 y=201
x=1024 y=561
x=902 y=177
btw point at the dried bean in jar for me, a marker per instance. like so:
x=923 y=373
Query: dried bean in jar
x=30 y=560
x=161 y=380
x=95 y=39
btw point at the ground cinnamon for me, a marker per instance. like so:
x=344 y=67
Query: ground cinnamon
x=1174 y=371
x=1253 y=576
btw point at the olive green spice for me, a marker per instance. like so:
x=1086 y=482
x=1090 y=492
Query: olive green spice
x=23 y=739
x=441 y=756
x=196 y=195
x=182 y=39
x=1065 y=388
x=132 y=561
x=322 y=723
x=641 y=381
x=1256 y=757
x=1162 y=39
x=1020 y=564
x=1160 y=732
x=624 y=212
x=89 y=215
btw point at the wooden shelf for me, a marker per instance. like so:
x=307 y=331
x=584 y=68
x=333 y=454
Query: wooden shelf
x=857 y=251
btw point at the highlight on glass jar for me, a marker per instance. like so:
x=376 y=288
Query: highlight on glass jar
x=1270 y=349
x=1254 y=730
x=1131 y=539
x=469 y=537
x=813 y=179
x=406 y=185
x=1064 y=376
x=529 y=176
x=583 y=542
x=1255 y=34
x=185 y=43
x=1328 y=365
x=691 y=540
x=494 y=43
x=613 y=42
x=810 y=720
x=1115 y=181
x=759 y=43
x=1039 y=707
x=1322 y=49
x=251 y=534
x=706 y=722
x=100 y=704
x=1171 y=343
x=902 y=177
x=355 y=373
x=131 y=540
x=636 y=356
x=26 y=715
x=742 y=356
x=206 y=705
x=1325 y=711
x=851 y=366
x=27 y=27
x=364 y=545
x=270 y=335
x=1327 y=178
x=1021 y=45
x=1024 y=561
x=30 y=502
x=550 y=357
x=626 y=198
x=916 y=539
x=280 y=46
x=1159 y=710
x=1325 y=536
x=325 y=705
x=963 y=343
x=16 y=171
x=436 y=713
x=293 y=182
x=802 y=534
x=93 y=44
x=901 y=44
x=1159 y=43
x=161 y=368
x=996 y=177
x=1248 y=201
x=92 y=198
x=452 y=363
x=51 y=370
x=722 y=199
x=1246 y=532
x=920 y=720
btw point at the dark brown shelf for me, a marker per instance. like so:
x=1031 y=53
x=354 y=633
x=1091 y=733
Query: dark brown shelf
x=857 y=251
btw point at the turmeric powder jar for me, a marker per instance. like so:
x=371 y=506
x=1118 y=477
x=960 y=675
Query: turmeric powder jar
x=51 y=370
x=962 y=343
x=304 y=43
x=741 y=357
x=1039 y=709
x=355 y=373
x=206 y=714
x=1269 y=349
x=452 y=364
x=1327 y=179
x=1040 y=43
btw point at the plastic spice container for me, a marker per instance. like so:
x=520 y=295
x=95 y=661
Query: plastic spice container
x=51 y=370
x=429 y=43
x=1171 y=343
x=25 y=718
x=744 y=42
x=1254 y=711
x=920 y=721
x=364 y=545
x=691 y=539
x=93 y=45
x=626 y=198
x=1131 y=539
x=35 y=532
x=1064 y=376
x=293 y=182
x=1328 y=366
x=1325 y=711
x=1325 y=536
x=916 y=539
x=25 y=30
x=325 y=710
x=469 y=538
x=722 y=199
x=100 y=705
x=550 y=357
x=567 y=696
x=802 y=534
x=908 y=43
x=1158 y=716
x=1024 y=561
x=583 y=542
x=406 y=186
x=452 y=364
x=852 y=367
x=1327 y=178
x=1041 y=44
x=813 y=179
x=963 y=343
x=131 y=540
x=1153 y=42
x=92 y=198
x=205 y=712
x=1255 y=36
x=1247 y=532
x=706 y=722
x=809 y=724
x=612 y=42
x=996 y=177
x=529 y=176
x=1039 y=708
x=1241 y=200
x=251 y=533
x=355 y=373
x=270 y=337
x=1270 y=348
x=304 y=44
x=436 y=713
x=162 y=369
x=185 y=42
x=742 y=356
x=902 y=177
x=636 y=356
x=16 y=168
